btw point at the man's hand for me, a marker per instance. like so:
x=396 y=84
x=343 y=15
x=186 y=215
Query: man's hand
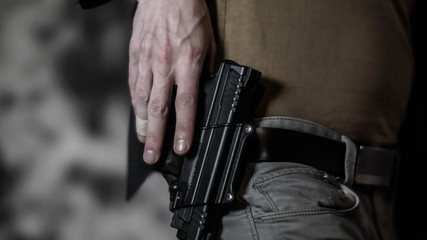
x=169 y=44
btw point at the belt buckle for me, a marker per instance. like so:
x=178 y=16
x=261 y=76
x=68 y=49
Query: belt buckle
x=375 y=166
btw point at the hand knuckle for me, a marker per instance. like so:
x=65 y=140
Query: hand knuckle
x=158 y=108
x=134 y=48
x=141 y=93
x=188 y=53
x=163 y=55
x=146 y=46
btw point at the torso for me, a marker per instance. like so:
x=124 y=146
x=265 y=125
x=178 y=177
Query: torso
x=347 y=65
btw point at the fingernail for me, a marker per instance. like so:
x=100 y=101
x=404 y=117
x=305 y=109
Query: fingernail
x=150 y=156
x=181 y=145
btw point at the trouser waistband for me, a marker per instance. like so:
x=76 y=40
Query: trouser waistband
x=301 y=141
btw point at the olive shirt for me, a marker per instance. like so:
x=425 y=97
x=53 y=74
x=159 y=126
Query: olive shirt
x=347 y=65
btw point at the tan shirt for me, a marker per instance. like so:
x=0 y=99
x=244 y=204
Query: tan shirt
x=347 y=65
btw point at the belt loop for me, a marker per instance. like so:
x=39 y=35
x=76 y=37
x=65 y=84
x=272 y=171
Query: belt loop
x=350 y=160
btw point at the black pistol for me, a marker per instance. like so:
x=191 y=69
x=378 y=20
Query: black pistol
x=209 y=175
x=204 y=182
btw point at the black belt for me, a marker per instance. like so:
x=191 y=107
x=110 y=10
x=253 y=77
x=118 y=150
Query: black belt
x=374 y=166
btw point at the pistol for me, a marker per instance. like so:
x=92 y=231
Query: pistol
x=203 y=183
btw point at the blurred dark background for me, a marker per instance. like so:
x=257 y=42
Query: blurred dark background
x=411 y=207
x=64 y=109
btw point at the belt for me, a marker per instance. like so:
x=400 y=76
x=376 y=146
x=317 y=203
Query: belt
x=372 y=166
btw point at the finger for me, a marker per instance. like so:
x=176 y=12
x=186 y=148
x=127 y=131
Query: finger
x=140 y=95
x=142 y=92
x=139 y=79
x=141 y=88
x=186 y=106
x=158 y=110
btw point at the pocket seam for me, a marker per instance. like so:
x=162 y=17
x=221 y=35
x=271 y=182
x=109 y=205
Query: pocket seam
x=282 y=215
x=267 y=198
x=308 y=173
x=251 y=220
